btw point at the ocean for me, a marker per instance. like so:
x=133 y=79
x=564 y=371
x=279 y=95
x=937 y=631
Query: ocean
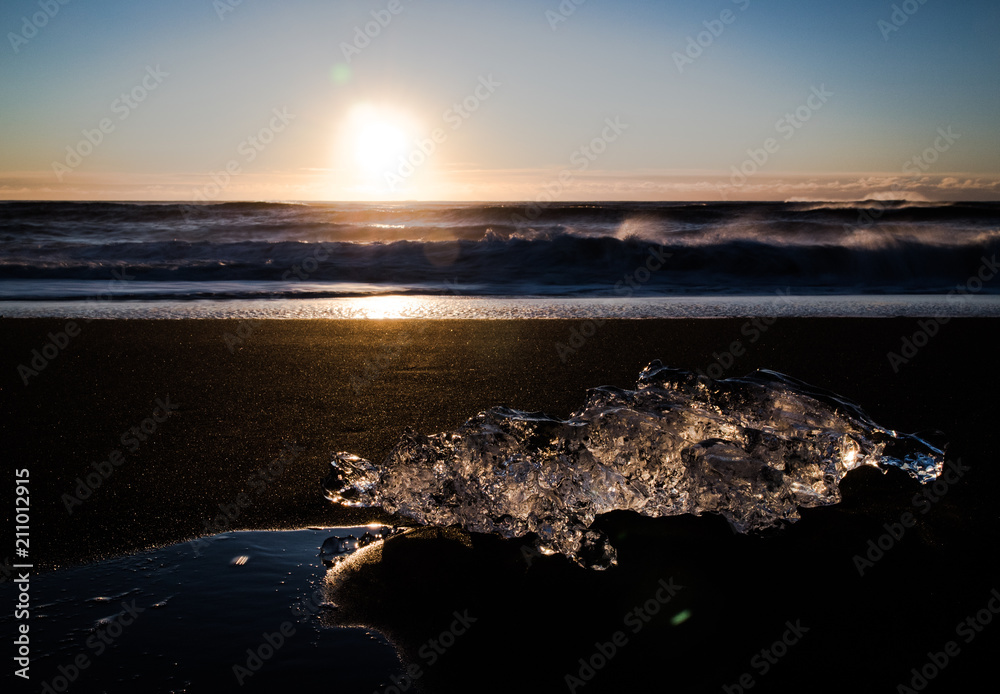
x=635 y=260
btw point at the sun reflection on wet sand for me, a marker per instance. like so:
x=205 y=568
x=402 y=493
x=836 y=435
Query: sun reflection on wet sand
x=381 y=307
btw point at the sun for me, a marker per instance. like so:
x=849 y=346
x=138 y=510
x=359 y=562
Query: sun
x=379 y=145
x=377 y=138
x=376 y=152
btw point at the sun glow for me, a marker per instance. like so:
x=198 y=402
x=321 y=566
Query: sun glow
x=374 y=141
x=379 y=144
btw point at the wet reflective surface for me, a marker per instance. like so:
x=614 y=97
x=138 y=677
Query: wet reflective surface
x=234 y=612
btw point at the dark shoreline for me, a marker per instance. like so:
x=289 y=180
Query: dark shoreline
x=289 y=383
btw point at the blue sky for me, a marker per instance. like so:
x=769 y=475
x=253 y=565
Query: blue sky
x=696 y=121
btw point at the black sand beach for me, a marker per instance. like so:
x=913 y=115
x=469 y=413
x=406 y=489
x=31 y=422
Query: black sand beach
x=355 y=385
x=344 y=385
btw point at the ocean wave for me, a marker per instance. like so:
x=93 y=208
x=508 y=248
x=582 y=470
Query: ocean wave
x=625 y=248
x=633 y=266
x=597 y=215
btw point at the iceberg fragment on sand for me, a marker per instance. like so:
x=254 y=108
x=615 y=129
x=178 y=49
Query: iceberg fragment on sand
x=752 y=449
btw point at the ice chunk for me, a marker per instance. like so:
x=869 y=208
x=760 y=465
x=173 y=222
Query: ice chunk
x=752 y=449
x=336 y=548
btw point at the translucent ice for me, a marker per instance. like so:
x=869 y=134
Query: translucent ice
x=336 y=548
x=752 y=449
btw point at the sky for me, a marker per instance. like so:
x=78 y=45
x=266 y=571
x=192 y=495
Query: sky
x=515 y=100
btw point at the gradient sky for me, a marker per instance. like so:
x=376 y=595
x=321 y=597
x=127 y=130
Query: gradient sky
x=226 y=69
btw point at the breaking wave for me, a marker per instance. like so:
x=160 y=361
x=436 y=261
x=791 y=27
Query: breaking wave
x=607 y=249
